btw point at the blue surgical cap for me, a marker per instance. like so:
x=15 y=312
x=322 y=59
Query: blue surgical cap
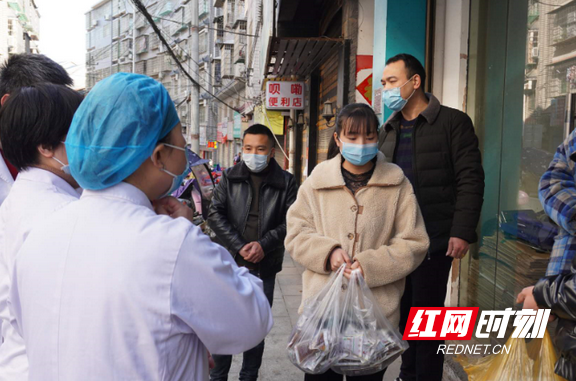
x=116 y=129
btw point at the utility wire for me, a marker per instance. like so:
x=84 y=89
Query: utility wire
x=550 y=5
x=138 y=4
x=207 y=27
x=224 y=84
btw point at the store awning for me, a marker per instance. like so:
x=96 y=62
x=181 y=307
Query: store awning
x=298 y=56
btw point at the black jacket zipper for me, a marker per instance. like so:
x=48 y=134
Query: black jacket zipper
x=416 y=185
x=247 y=210
x=247 y=214
x=414 y=166
x=397 y=129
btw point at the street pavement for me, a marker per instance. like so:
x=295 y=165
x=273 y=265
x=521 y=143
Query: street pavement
x=287 y=298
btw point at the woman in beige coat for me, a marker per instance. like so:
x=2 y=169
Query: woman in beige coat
x=360 y=210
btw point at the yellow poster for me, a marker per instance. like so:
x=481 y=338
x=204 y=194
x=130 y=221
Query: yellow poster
x=272 y=119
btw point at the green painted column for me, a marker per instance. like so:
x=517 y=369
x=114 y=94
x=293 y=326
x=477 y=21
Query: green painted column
x=399 y=27
x=405 y=32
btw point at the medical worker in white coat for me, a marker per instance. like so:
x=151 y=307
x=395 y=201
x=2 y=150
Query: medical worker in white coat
x=107 y=289
x=33 y=124
x=23 y=70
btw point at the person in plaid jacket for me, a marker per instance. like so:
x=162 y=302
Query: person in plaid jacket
x=557 y=193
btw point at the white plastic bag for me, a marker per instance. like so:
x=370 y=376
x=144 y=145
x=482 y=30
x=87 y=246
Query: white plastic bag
x=343 y=328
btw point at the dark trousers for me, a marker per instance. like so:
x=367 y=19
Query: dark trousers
x=252 y=359
x=425 y=287
x=333 y=376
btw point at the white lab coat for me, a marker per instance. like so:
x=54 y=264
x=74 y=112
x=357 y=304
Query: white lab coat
x=6 y=180
x=35 y=195
x=106 y=289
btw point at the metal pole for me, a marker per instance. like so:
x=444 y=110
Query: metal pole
x=211 y=74
x=292 y=148
x=133 y=39
x=26 y=43
x=195 y=97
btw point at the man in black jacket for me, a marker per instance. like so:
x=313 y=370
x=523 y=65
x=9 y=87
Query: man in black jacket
x=248 y=215
x=437 y=149
x=558 y=293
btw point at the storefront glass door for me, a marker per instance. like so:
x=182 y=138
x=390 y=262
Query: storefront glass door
x=522 y=99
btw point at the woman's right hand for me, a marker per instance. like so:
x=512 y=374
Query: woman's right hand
x=338 y=258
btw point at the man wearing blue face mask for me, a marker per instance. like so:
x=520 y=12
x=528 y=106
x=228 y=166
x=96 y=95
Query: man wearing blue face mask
x=248 y=215
x=437 y=149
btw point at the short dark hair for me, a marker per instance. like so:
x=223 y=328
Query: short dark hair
x=413 y=66
x=22 y=70
x=36 y=116
x=355 y=118
x=260 y=129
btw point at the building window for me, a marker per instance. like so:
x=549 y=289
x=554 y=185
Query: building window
x=202 y=43
x=142 y=44
x=217 y=73
x=220 y=27
x=203 y=8
x=230 y=17
x=533 y=50
x=202 y=114
x=533 y=38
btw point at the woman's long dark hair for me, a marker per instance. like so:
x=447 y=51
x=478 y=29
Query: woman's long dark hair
x=356 y=118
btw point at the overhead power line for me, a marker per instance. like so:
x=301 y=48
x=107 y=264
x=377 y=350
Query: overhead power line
x=138 y=4
x=207 y=27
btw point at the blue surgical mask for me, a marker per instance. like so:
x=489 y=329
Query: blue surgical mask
x=358 y=154
x=393 y=99
x=65 y=167
x=255 y=163
x=177 y=179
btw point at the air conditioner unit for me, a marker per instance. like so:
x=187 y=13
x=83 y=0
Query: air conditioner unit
x=108 y=17
x=94 y=23
x=535 y=52
x=529 y=85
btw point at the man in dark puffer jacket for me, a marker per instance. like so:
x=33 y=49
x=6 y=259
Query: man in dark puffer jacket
x=437 y=149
